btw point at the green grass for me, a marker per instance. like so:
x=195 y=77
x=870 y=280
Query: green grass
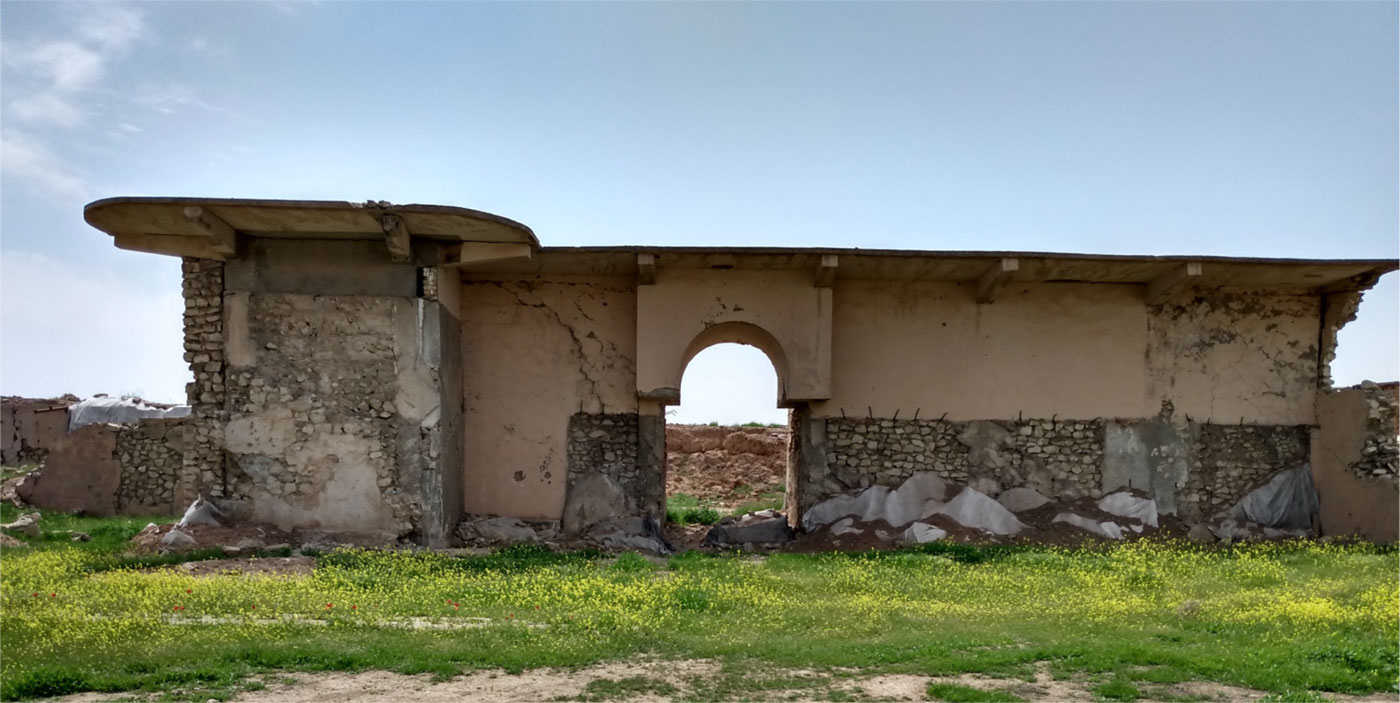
x=109 y=534
x=958 y=693
x=1295 y=620
x=1119 y=688
x=685 y=509
x=622 y=689
x=9 y=472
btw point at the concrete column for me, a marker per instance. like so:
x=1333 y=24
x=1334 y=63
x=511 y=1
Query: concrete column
x=807 y=465
x=651 y=460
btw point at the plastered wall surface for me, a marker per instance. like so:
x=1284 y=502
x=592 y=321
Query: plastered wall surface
x=535 y=353
x=684 y=303
x=30 y=427
x=1352 y=502
x=1231 y=356
x=1066 y=350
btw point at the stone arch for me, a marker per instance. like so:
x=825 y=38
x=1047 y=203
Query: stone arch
x=745 y=333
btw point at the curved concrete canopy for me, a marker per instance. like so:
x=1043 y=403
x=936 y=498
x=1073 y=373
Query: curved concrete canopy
x=207 y=227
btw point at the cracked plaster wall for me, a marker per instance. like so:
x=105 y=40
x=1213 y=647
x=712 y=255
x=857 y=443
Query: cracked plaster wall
x=1232 y=356
x=534 y=354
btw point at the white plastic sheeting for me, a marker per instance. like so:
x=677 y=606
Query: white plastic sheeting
x=918 y=497
x=977 y=510
x=117 y=411
x=1287 y=500
x=1111 y=530
x=1125 y=504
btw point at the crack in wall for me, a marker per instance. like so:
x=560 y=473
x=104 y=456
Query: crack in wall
x=589 y=368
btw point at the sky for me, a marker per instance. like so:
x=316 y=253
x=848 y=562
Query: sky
x=1245 y=129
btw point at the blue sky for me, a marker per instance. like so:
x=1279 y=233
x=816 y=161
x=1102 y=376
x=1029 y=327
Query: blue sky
x=1255 y=129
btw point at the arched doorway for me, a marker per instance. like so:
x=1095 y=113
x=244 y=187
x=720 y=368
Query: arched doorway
x=728 y=449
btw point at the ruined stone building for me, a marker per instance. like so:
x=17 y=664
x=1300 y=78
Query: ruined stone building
x=390 y=368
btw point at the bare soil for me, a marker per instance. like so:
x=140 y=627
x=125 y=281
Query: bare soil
x=236 y=567
x=555 y=684
x=725 y=465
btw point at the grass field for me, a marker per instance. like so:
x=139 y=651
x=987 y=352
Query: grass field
x=1299 y=620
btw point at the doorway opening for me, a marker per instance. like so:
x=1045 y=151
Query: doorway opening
x=727 y=443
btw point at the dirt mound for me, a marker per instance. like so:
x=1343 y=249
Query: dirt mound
x=241 y=537
x=728 y=466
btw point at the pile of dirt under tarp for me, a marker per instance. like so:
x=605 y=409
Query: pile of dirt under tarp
x=726 y=466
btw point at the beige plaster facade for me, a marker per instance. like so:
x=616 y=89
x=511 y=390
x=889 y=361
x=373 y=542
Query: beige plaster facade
x=534 y=353
x=394 y=367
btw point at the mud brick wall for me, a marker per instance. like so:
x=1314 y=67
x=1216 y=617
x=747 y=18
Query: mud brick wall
x=202 y=465
x=1380 y=454
x=606 y=443
x=151 y=453
x=1057 y=457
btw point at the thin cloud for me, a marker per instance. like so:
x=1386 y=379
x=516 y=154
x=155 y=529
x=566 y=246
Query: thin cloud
x=65 y=70
x=170 y=99
x=25 y=159
x=111 y=26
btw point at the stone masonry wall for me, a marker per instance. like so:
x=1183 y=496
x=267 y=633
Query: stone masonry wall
x=607 y=443
x=314 y=424
x=151 y=453
x=1057 y=457
x=1228 y=461
x=1380 y=455
x=1062 y=459
x=202 y=466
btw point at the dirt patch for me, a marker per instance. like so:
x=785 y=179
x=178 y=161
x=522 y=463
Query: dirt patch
x=659 y=681
x=728 y=466
x=282 y=566
x=242 y=537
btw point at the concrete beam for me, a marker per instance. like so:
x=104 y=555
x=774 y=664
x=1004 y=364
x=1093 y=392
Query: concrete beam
x=432 y=253
x=168 y=244
x=826 y=271
x=397 y=238
x=664 y=396
x=220 y=236
x=995 y=278
x=646 y=269
x=1161 y=287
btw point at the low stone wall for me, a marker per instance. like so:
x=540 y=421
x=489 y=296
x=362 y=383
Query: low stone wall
x=1380 y=452
x=151 y=454
x=1057 y=457
x=1195 y=470
x=606 y=443
x=1228 y=461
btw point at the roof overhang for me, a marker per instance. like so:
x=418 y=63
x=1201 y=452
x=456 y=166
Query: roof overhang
x=210 y=228
x=1161 y=273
